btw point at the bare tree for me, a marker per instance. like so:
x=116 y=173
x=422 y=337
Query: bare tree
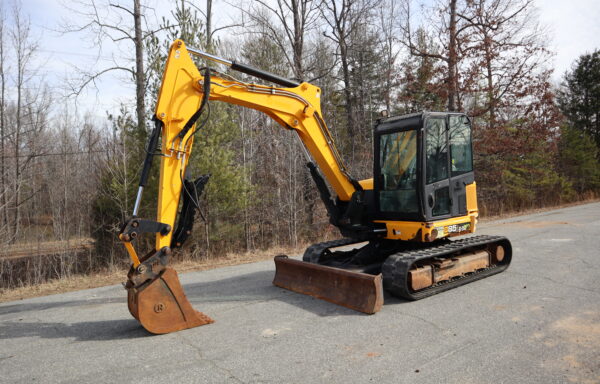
x=450 y=32
x=114 y=23
x=389 y=14
x=3 y=77
x=341 y=19
x=26 y=120
x=507 y=44
x=348 y=25
x=209 y=31
x=286 y=22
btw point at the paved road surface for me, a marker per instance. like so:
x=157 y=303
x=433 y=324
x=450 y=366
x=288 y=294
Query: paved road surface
x=538 y=322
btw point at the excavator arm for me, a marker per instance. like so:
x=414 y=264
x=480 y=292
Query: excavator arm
x=182 y=92
x=155 y=295
x=296 y=108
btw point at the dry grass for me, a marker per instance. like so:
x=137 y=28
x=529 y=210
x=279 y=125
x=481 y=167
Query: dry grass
x=73 y=283
x=116 y=276
x=43 y=248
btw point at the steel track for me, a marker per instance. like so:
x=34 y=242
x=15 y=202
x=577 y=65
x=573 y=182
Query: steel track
x=396 y=267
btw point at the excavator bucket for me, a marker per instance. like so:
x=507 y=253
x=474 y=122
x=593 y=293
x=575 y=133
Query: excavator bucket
x=355 y=290
x=160 y=304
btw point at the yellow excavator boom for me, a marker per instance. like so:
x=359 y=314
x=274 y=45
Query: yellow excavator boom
x=153 y=288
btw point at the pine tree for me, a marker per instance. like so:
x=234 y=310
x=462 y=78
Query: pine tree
x=577 y=159
x=579 y=98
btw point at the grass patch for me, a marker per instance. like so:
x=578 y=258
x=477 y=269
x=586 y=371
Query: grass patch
x=117 y=275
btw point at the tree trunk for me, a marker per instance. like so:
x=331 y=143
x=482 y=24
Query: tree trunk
x=349 y=107
x=298 y=43
x=16 y=214
x=209 y=25
x=3 y=201
x=490 y=83
x=140 y=81
x=452 y=59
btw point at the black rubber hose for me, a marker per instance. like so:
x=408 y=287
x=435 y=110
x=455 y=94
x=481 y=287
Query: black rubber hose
x=196 y=115
x=150 y=151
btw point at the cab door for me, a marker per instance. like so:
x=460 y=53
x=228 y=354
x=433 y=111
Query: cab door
x=461 y=162
x=438 y=202
x=448 y=165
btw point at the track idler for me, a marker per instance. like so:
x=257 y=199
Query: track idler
x=156 y=299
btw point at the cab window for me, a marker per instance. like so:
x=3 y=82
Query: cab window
x=460 y=145
x=437 y=150
x=398 y=178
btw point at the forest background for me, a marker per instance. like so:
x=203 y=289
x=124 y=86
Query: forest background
x=68 y=179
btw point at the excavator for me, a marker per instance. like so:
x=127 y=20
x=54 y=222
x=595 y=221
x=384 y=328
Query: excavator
x=397 y=228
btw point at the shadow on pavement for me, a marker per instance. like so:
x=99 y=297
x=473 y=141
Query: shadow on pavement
x=258 y=287
x=27 y=306
x=240 y=290
x=82 y=331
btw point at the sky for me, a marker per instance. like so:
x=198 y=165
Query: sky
x=573 y=25
x=574 y=29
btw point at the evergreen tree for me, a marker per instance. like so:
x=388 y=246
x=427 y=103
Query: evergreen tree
x=119 y=179
x=577 y=159
x=532 y=181
x=579 y=98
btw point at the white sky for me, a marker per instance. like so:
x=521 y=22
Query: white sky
x=574 y=26
x=575 y=29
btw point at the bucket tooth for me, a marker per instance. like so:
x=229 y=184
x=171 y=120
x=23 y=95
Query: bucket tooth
x=355 y=290
x=161 y=306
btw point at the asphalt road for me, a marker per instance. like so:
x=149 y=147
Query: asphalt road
x=538 y=322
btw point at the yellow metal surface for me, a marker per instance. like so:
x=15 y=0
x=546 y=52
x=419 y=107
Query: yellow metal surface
x=286 y=106
x=422 y=231
x=471 y=190
x=132 y=253
x=178 y=100
x=366 y=184
x=296 y=108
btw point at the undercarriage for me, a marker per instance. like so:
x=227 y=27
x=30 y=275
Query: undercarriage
x=410 y=271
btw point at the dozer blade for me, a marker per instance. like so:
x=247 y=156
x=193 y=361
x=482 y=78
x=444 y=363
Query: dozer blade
x=160 y=305
x=359 y=291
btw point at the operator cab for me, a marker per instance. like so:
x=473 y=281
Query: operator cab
x=423 y=163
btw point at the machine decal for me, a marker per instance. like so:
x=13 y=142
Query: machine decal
x=453 y=229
